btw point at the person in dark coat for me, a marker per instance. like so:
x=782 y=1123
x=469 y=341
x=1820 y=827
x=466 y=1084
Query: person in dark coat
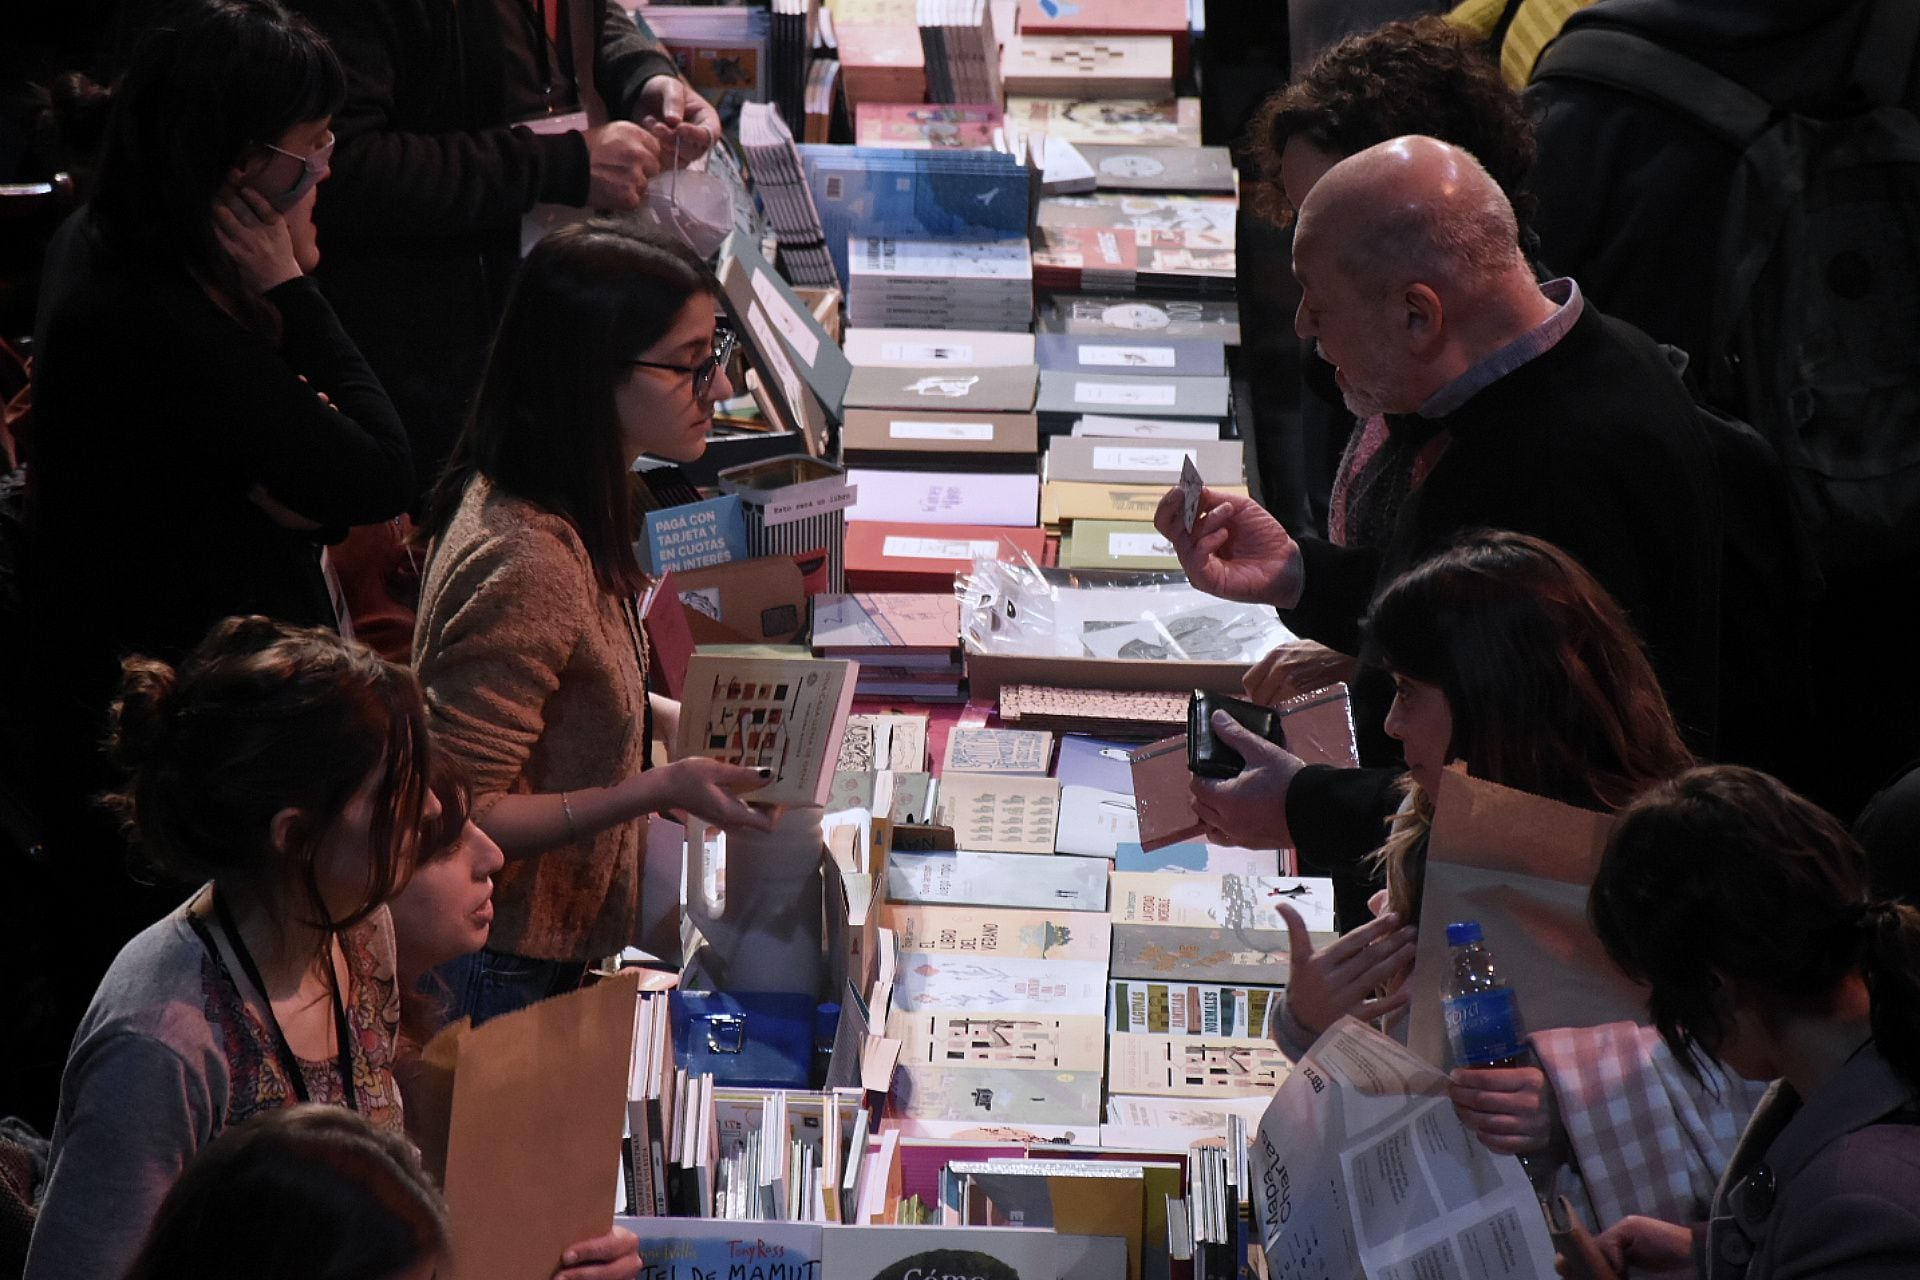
x=1559 y=422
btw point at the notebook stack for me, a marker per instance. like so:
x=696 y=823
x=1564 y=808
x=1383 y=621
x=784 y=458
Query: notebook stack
x=1088 y=67
x=967 y=284
x=795 y=23
x=962 y=52
x=777 y=176
x=906 y=644
x=941 y=194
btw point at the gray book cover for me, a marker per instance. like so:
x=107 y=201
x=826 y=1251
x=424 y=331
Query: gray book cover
x=1146 y=356
x=1099 y=461
x=1141 y=395
x=1007 y=389
x=1181 y=169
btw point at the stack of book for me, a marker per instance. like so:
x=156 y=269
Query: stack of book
x=777 y=176
x=939 y=194
x=966 y=284
x=882 y=63
x=795 y=24
x=1092 y=19
x=1088 y=67
x=1111 y=242
x=962 y=52
x=906 y=644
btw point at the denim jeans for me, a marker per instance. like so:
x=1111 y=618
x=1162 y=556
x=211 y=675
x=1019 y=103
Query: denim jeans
x=487 y=984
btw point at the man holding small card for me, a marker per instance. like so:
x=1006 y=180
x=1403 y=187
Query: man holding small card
x=1558 y=422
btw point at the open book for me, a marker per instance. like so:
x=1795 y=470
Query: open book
x=786 y=715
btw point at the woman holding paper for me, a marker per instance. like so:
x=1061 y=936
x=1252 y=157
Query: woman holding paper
x=529 y=640
x=1507 y=656
x=1747 y=912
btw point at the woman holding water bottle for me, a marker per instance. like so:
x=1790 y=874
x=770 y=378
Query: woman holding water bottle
x=1506 y=655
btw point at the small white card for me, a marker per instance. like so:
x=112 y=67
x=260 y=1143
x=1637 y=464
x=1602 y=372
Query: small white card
x=1127 y=357
x=1153 y=394
x=940 y=430
x=928 y=352
x=905 y=548
x=1138 y=544
x=1121 y=458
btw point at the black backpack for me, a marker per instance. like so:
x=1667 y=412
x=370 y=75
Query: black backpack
x=1816 y=307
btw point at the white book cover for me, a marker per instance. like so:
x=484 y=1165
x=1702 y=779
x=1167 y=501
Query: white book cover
x=869 y=256
x=971 y=498
x=916 y=348
x=931 y=980
x=988 y=879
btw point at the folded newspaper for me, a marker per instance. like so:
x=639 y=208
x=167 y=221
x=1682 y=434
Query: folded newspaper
x=1363 y=1169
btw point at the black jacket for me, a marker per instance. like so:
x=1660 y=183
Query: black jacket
x=1593 y=446
x=420 y=222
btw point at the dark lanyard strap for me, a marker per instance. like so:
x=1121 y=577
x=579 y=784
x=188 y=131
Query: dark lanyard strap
x=288 y=1061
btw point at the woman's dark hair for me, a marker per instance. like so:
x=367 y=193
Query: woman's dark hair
x=203 y=89
x=301 y=1193
x=1421 y=75
x=264 y=716
x=589 y=299
x=1723 y=874
x=1549 y=688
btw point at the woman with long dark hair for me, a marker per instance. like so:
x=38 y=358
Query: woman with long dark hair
x=529 y=640
x=1510 y=658
x=203 y=424
x=1747 y=912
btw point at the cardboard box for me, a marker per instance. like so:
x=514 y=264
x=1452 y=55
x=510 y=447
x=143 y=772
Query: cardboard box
x=916 y=438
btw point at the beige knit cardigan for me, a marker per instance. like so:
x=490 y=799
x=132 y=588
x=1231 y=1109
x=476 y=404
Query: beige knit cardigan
x=535 y=681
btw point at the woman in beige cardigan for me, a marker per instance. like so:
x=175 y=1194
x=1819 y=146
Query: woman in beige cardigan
x=528 y=640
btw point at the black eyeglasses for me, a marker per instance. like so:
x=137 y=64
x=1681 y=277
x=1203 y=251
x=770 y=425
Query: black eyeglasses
x=723 y=344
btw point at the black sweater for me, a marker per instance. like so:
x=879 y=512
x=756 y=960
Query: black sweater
x=156 y=415
x=420 y=222
x=1593 y=446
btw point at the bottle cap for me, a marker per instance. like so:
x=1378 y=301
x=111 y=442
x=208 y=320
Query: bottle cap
x=1461 y=932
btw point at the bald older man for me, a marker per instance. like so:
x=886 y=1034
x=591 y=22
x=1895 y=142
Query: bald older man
x=1548 y=419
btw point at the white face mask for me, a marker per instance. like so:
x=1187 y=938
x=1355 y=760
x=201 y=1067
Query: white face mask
x=696 y=206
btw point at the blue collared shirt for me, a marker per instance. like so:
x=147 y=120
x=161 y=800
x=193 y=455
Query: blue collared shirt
x=1530 y=345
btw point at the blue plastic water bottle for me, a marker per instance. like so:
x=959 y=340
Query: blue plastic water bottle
x=1482 y=1012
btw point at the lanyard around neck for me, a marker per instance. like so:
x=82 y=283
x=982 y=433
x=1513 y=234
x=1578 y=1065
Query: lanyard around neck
x=284 y=1051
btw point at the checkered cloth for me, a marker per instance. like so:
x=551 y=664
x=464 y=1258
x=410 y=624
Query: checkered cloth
x=1646 y=1136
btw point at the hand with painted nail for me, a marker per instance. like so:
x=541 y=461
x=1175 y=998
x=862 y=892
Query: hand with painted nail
x=709 y=790
x=1348 y=977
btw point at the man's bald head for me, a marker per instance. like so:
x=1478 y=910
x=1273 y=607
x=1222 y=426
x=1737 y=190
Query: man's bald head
x=1412 y=209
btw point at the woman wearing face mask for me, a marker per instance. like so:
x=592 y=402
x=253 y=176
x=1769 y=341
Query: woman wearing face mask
x=529 y=640
x=204 y=427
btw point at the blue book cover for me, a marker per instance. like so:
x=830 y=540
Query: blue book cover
x=1144 y=356
x=915 y=195
x=693 y=536
x=713 y=1249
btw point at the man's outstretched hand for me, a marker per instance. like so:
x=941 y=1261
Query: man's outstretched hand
x=1235 y=550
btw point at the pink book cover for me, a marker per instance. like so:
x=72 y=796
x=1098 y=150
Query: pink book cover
x=903 y=124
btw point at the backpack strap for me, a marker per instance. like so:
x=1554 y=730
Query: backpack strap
x=1634 y=64
x=1884 y=60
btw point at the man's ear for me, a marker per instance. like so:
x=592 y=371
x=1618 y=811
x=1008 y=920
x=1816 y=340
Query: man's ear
x=1424 y=319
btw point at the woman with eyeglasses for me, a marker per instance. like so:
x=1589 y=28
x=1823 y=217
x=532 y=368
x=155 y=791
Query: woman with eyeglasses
x=203 y=425
x=529 y=640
